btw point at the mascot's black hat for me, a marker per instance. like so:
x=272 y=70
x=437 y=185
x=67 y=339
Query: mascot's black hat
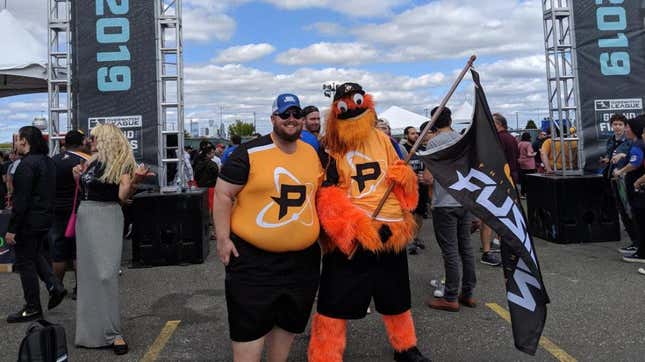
x=346 y=89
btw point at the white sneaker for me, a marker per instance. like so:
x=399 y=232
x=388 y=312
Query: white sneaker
x=641 y=270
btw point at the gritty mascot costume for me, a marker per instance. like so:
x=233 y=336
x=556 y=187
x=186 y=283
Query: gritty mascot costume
x=360 y=162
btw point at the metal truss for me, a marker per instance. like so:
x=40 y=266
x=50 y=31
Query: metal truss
x=170 y=82
x=59 y=62
x=562 y=80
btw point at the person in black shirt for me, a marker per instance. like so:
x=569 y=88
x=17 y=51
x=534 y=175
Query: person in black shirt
x=421 y=212
x=108 y=179
x=31 y=218
x=206 y=170
x=63 y=249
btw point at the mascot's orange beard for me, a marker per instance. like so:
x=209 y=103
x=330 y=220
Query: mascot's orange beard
x=343 y=135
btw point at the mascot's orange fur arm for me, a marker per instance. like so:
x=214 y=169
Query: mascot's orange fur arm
x=406 y=188
x=343 y=222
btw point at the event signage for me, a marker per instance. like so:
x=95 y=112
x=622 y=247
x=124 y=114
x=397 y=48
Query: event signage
x=115 y=74
x=610 y=49
x=130 y=125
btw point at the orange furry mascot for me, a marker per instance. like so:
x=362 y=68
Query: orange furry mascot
x=360 y=162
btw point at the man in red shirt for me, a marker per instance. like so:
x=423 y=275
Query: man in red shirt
x=512 y=152
x=509 y=144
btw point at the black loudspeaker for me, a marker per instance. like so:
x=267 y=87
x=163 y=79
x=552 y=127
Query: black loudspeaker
x=170 y=228
x=569 y=209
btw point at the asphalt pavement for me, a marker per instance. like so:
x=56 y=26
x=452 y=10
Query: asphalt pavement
x=178 y=313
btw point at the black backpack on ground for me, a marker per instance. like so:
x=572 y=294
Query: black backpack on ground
x=44 y=342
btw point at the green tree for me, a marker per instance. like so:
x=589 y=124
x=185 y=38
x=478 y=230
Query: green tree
x=241 y=128
x=530 y=124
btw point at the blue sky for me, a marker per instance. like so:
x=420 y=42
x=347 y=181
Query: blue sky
x=239 y=54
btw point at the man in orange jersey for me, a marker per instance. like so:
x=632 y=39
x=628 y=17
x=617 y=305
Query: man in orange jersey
x=267 y=237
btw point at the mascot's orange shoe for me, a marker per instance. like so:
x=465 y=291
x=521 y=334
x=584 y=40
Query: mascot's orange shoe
x=365 y=256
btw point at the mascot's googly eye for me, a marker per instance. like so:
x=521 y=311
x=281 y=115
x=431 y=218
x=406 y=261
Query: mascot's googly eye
x=342 y=106
x=358 y=99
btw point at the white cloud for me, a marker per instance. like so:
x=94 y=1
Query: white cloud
x=325 y=28
x=456 y=29
x=351 y=8
x=242 y=90
x=21 y=116
x=329 y=53
x=244 y=53
x=203 y=24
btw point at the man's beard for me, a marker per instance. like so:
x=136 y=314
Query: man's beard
x=285 y=136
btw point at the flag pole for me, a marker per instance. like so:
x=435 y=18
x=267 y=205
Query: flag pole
x=425 y=130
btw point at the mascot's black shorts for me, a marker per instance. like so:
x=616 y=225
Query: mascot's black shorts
x=347 y=286
x=266 y=290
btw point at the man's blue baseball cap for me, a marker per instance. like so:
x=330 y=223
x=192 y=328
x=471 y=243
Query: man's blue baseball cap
x=284 y=102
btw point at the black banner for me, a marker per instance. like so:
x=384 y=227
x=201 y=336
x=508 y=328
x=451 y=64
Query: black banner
x=610 y=46
x=475 y=172
x=115 y=70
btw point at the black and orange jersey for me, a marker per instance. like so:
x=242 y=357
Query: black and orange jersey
x=362 y=173
x=275 y=210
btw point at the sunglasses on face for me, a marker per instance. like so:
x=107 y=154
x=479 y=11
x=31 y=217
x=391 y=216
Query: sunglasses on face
x=296 y=113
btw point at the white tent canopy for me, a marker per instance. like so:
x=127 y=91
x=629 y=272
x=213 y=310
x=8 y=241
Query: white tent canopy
x=400 y=118
x=23 y=68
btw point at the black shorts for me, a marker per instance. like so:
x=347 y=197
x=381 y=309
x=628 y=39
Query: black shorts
x=347 y=286
x=266 y=290
x=62 y=249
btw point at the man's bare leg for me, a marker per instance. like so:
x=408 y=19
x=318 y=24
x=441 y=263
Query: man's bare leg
x=486 y=235
x=248 y=351
x=59 y=270
x=279 y=344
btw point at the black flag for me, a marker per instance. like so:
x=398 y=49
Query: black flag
x=475 y=172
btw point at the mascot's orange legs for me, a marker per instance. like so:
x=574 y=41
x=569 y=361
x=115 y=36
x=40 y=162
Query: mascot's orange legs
x=400 y=330
x=327 y=342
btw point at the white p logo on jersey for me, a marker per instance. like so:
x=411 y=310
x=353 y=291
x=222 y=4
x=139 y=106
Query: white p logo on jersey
x=366 y=170
x=271 y=216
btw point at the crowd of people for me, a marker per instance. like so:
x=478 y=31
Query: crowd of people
x=67 y=210
x=268 y=220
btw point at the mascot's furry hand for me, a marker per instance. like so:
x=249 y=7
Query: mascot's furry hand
x=406 y=188
x=343 y=222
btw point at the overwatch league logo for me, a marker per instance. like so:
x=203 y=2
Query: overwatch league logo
x=368 y=176
x=292 y=204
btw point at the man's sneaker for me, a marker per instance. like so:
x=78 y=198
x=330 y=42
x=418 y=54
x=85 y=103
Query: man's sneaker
x=411 y=354
x=634 y=258
x=641 y=271
x=25 y=315
x=631 y=249
x=412 y=249
x=419 y=243
x=443 y=304
x=490 y=259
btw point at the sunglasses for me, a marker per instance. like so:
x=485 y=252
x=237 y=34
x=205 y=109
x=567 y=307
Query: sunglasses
x=296 y=113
